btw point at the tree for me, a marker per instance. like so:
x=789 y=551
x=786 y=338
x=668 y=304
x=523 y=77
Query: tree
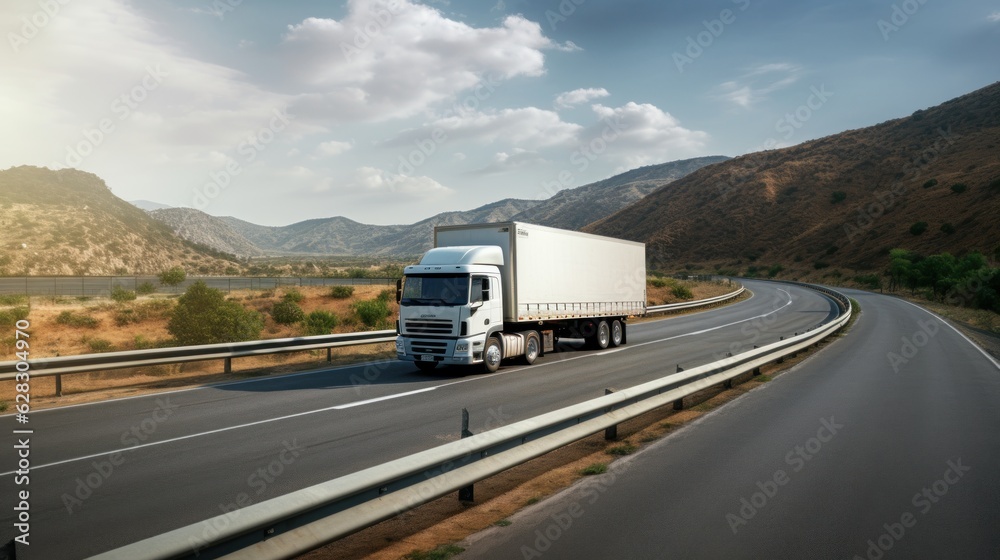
x=203 y=316
x=173 y=276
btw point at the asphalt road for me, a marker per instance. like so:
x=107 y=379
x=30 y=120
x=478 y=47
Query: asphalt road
x=107 y=474
x=883 y=445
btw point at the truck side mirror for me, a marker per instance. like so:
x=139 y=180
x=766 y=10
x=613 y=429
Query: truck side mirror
x=399 y=290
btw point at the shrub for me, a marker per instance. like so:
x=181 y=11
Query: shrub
x=930 y=183
x=76 y=320
x=995 y=184
x=145 y=288
x=10 y=317
x=682 y=292
x=320 y=322
x=13 y=299
x=947 y=228
x=386 y=295
x=98 y=345
x=294 y=296
x=203 y=316
x=657 y=282
x=838 y=196
x=820 y=264
x=341 y=292
x=959 y=188
x=774 y=270
x=918 y=228
x=287 y=312
x=121 y=295
x=870 y=281
x=173 y=276
x=371 y=312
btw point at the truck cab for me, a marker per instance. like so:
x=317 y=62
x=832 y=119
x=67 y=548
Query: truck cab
x=449 y=306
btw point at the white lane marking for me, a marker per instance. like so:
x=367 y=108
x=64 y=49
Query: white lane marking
x=393 y=396
x=960 y=333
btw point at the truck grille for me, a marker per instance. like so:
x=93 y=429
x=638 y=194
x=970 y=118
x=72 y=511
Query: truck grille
x=429 y=326
x=429 y=347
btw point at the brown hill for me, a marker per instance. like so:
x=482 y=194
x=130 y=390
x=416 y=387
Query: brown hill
x=68 y=222
x=840 y=201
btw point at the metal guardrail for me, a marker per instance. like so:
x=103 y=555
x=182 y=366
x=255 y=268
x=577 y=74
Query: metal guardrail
x=86 y=363
x=41 y=367
x=309 y=518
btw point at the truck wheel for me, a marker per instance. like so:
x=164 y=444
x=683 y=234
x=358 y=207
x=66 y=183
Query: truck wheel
x=425 y=366
x=617 y=333
x=492 y=354
x=602 y=337
x=532 y=347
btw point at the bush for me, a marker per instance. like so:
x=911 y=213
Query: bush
x=10 y=317
x=13 y=300
x=148 y=311
x=372 y=312
x=294 y=296
x=341 y=292
x=75 y=320
x=386 y=295
x=287 y=312
x=121 y=295
x=959 y=188
x=98 y=345
x=870 y=281
x=657 y=282
x=947 y=228
x=172 y=277
x=203 y=316
x=682 y=292
x=320 y=322
x=995 y=184
x=918 y=228
x=145 y=288
x=820 y=264
x=774 y=270
x=930 y=183
x=838 y=196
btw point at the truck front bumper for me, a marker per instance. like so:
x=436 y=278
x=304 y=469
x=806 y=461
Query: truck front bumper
x=442 y=351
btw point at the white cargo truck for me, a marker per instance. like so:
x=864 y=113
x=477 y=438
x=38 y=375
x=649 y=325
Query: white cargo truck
x=489 y=292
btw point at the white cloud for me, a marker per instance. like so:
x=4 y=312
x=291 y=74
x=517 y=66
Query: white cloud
x=758 y=83
x=504 y=162
x=637 y=134
x=526 y=126
x=377 y=182
x=393 y=60
x=994 y=17
x=578 y=96
x=333 y=148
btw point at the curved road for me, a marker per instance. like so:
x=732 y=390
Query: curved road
x=883 y=445
x=107 y=474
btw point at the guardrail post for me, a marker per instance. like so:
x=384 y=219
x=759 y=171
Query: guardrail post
x=58 y=385
x=329 y=354
x=611 y=432
x=229 y=365
x=781 y=360
x=679 y=403
x=467 y=494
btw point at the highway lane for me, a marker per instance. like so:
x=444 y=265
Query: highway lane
x=188 y=455
x=882 y=445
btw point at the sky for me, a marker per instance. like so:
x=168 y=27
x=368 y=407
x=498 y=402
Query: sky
x=391 y=111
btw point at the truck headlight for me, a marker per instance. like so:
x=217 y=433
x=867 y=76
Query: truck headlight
x=400 y=347
x=462 y=347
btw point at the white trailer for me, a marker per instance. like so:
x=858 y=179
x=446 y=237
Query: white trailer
x=488 y=292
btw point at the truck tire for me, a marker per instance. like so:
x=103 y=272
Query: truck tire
x=617 y=333
x=425 y=366
x=532 y=347
x=492 y=354
x=602 y=337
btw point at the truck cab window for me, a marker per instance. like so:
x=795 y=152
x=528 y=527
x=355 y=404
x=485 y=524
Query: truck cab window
x=480 y=290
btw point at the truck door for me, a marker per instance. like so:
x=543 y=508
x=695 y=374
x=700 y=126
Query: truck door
x=489 y=314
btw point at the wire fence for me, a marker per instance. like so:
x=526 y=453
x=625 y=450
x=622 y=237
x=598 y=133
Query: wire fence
x=101 y=286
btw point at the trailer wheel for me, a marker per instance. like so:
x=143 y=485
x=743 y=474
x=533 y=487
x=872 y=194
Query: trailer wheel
x=617 y=333
x=492 y=354
x=532 y=347
x=602 y=337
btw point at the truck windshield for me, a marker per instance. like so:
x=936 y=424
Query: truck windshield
x=436 y=289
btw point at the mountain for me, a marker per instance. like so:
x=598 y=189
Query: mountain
x=201 y=228
x=569 y=208
x=68 y=222
x=148 y=205
x=575 y=208
x=929 y=182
